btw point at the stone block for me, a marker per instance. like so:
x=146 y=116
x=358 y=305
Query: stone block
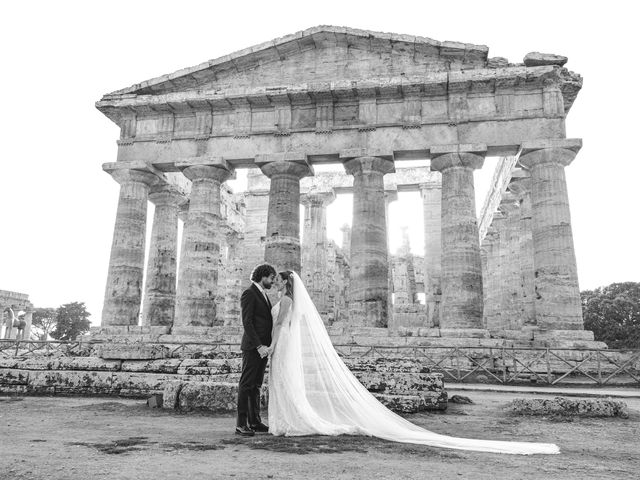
x=66 y=381
x=141 y=384
x=12 y=376
x=215 y=397
x=171 y=394
x=464 y=333
x=210 y=366
x=569 y=407
x=428 y=332
x=166 y=365
x=537 y=59
x=132 y=351
x=413 y=403
x=519 y=335
x=553 y=335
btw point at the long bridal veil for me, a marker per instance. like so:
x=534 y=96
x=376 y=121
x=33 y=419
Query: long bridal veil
x=337 y=398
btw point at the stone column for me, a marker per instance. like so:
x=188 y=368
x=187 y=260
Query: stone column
x=314 y=248
x=432 y=211
x=520 y=186
x=390 y=196
x=369 y=283
x=461 y=265
x=282 y=242
x=492 y=293
x=346 y=240
x=123 y=293
x=183 y=214
x=160 y=288
x=235 y=276
x=512 y=310
x=198 y=277
x=557 y=304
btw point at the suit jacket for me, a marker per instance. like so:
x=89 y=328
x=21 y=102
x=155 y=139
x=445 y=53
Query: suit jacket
x=256 y=319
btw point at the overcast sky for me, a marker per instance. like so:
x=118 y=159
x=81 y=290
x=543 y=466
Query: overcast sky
x=58 y=207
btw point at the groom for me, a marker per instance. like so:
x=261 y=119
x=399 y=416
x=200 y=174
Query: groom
x=257 y=323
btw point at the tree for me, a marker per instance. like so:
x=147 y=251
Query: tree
x=72 y=319
x=43 y=322
x=613 y=314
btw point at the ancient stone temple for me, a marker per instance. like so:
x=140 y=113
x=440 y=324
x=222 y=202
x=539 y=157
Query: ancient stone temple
x=366 y=101
x=10 y=325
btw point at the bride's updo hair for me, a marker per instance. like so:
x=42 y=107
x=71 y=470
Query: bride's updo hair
x=287 y=276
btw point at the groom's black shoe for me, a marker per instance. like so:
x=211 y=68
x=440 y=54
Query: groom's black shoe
x=244 y=431
x=260 y=427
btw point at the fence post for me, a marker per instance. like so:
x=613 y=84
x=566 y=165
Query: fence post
x=546 y=356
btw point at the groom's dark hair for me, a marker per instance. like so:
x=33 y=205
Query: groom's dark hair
x=261 y=271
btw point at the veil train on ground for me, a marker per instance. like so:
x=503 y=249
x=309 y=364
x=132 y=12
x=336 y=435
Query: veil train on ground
x=329 y=399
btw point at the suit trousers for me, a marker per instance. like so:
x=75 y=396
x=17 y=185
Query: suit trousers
x=253 y=367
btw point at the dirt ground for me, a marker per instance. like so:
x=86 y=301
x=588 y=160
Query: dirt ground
x=94 y=438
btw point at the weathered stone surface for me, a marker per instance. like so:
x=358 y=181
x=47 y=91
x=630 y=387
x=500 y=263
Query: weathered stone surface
x=171 y=395
x=198 y=276
x=126 y=265
x=413 y=403
x=282 y=242
x=461 y=281
x=536 y=59
x=369 y=269
x=131 y=352
x=557 y=304
x=562 y=406
x=215 y=397
x=160 y=288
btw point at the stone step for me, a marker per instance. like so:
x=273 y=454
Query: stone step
x=222 y=397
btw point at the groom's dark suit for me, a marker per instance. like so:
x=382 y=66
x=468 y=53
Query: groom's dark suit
x=257 y=323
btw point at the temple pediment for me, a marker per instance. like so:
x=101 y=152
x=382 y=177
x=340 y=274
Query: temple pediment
x=319 y=54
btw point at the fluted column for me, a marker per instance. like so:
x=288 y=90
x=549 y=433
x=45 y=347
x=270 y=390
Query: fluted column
x=369 y=284
x=198 y=276
x=432 y=213
x=282 y=242
x=461 y=266
x=557 y=304
x=492 y=293
x=512 y=307
x=520 y=186
x=235 y=276
x=123 y=293
x=314 y=247
x=160 y=286
x=390 y=196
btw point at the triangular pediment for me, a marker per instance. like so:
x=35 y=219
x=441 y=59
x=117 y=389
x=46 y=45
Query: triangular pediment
x=316 y=55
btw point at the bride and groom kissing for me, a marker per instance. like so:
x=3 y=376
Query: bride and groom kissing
x=311 y=390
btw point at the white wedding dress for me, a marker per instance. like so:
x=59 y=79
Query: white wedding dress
x=311 y=391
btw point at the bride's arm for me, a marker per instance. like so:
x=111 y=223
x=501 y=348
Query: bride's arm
x=285 y=305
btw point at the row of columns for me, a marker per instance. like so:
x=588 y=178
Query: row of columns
x=456 y=276
x=530 y=265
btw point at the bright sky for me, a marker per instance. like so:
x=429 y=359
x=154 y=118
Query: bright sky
x=58 y=207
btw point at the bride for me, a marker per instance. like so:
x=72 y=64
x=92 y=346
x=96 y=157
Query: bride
x=311 y=391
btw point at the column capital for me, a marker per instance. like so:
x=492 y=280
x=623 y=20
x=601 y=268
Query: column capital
x=321 y=199
x=196 y=168
x=368 y=164
x=166 y=194
x=285 y=167
x=559 y=151
x=459 y=155
x=134 y=172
